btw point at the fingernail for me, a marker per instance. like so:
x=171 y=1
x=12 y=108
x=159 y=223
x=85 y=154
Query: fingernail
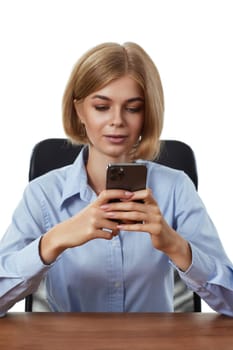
x=119 y=227
x=104 y=206
x=110 y=214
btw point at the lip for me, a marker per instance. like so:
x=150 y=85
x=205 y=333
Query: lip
x=116 y=139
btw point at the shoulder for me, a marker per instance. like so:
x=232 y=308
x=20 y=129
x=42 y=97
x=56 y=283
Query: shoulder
x=62 y=179
x=53 y=179
x=172 y=189
x=165 y=180
x=164 y=174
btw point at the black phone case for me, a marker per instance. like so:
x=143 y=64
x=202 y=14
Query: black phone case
x=126 y=176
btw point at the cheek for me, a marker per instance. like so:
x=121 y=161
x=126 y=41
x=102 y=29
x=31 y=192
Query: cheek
x=90 y=128
x=93 y=128
x=138 y=124
x=93 y=124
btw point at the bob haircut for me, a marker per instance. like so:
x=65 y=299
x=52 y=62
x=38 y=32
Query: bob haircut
x=101 y=65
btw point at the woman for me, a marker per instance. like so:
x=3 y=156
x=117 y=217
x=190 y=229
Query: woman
x=104 y=256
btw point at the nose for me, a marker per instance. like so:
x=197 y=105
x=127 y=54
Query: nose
x=117 y=117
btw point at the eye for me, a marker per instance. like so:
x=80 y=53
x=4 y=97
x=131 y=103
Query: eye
x=101 y=107
x=135 y=109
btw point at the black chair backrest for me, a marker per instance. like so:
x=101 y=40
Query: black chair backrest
x=54 y=153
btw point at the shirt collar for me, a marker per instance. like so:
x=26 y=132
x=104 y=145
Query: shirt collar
x=76 y=182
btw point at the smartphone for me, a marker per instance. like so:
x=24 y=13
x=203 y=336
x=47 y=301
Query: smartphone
x=126 y=176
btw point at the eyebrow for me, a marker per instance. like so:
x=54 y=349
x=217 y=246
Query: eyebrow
x=105 y=98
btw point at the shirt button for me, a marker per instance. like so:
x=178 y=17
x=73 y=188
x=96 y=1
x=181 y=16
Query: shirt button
x=117 y=284
x=114 y=242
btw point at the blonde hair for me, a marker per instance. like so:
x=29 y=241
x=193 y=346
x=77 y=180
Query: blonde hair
x=103 y=64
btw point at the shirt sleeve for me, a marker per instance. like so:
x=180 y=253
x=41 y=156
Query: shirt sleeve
x=21 y=268
x=211 y=272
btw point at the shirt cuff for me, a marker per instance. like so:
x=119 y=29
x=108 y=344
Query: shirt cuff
x=29 y=262
x=201 y=270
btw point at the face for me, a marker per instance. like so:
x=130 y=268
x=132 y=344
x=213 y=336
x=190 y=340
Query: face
x=113 y=117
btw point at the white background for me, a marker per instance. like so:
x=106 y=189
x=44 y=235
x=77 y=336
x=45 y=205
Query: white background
x=189 y=40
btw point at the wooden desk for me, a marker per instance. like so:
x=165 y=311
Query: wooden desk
x=68 y=331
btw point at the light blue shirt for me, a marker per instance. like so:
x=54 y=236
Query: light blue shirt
x=125 y=274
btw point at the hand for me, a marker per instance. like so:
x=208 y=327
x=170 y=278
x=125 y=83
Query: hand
x=147 y=217
x=90 y=223
x=140 y=216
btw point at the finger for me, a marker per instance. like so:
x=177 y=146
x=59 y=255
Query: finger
x=108 y=195
x=140 y=227
x=105 y=234
x=132 y=216
x=144 y=195
x=124 y=206
x=109 y=234
x=154 y=230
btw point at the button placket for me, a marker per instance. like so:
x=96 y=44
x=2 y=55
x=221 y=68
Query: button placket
x=116 y=278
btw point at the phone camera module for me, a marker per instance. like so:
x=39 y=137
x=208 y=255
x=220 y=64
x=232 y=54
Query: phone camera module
x=116 y=173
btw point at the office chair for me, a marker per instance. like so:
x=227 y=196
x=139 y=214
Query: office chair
x=54 y=153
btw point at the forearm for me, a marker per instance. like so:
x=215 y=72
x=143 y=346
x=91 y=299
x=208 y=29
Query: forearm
x=180 y=253
x=212 y=279
x=52 y=245
x=174 y=246
x=20 y=274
